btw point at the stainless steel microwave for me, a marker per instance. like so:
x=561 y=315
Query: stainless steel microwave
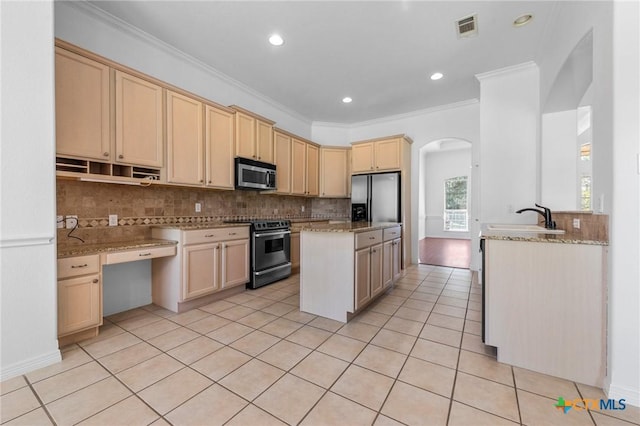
x=251 y=174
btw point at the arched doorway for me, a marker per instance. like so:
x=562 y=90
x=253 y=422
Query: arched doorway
x=445 y=203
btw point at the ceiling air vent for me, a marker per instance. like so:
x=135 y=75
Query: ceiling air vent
x=467 y=27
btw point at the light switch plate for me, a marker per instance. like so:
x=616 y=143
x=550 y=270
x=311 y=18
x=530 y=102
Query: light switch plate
x=198 y=207
x=113 y=220
x=576 y=223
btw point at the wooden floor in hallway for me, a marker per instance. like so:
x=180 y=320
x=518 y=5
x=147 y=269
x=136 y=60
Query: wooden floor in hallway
x=451 y=252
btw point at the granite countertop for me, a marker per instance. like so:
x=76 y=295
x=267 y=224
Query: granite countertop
x=566 y=238
x=206 y=225
x=355 y=227
x=89 y=249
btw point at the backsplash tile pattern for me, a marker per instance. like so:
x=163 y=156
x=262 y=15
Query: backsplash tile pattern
x=139 y=208
x=592 y=226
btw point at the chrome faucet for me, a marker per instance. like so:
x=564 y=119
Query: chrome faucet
x=545 y=213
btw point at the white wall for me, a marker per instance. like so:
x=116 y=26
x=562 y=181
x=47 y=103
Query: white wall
x=624 y=283
x=28 y=298
x=88 y=27
x=559 y=154
x=509 y=122
x=437 y=166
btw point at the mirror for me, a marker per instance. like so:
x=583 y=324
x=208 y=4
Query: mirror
x=566 y=154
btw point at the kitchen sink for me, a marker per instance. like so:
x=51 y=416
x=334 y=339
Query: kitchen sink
x=534 y=229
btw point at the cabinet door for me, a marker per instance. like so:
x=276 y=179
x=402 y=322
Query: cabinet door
x=298 y=167
x=79 y=303
x=82 y=107
x=201 y=270
x=184 y=140
x=264 y=141
x=219 y=148
x=245 y=136
x=295 y=249
x=235 y=263
x=387 y=264
x=362 y=158
x=362 y=279
x=397 y=258
x=138 y=121
x=282 y=156
x=387 y=155
x=313 y=170
x=376 y=270
x=334 y=172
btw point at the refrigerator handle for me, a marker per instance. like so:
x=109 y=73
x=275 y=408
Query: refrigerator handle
x=369 y=197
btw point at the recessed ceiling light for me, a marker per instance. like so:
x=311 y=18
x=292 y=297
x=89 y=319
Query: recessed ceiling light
x=347 y=100
x=436 y=76
x=522 y=20
x=276 y=40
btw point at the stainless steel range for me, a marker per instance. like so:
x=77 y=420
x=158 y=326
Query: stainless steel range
x=270 y=251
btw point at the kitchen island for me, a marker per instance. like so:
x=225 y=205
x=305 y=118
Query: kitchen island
x=345 y=266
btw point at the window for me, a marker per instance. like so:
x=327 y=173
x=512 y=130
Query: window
x=585 y=192
x=585 y=152
x=455 y=204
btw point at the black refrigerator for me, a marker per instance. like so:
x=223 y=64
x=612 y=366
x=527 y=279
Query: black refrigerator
x=376 y=197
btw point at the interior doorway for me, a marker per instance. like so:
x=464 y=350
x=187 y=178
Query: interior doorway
x=445 y=203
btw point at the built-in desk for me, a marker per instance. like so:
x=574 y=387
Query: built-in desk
x=80 y=279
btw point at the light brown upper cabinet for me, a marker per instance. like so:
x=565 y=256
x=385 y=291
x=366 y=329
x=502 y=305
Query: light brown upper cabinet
x=138 y=121
x=282 y=156
x=378 y=155
x=334 y=172
x=82 y=107
x=254 y=136
x=305 y=179
x=185 y=148
x=219 y=147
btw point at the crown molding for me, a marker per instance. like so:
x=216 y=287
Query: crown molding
x=396 y=117
x=112 y=21
x=507 y=70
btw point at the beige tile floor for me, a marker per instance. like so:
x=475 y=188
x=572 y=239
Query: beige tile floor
x=413 y=357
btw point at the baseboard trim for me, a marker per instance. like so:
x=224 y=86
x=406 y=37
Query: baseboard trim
x=29 y=365
x=630 y=395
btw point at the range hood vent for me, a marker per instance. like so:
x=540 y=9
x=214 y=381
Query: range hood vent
x=467 y=27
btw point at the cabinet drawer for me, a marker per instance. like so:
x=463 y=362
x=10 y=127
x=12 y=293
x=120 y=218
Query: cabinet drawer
x=141 y=254
x=366 y=239
x=217 y=234
x=391 y=233
x=76 y=266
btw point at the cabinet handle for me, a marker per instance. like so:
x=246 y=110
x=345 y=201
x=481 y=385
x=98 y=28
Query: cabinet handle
x=372 y=238
x=374 y=251
x=201 y=181
x=144 y=254
x=106 y=154
x=232 y=233
x=209 y=181
x=95 y=280
x=209 y=235
x=79 y=266
x=259 y=158
x=253 y=156
x=120 y=156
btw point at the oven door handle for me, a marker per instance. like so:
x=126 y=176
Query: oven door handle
x=270 y=234
x=275 y=268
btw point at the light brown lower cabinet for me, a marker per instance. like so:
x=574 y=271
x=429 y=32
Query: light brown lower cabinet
x=207 y=261
x=368 y=269
x=79 y=294
x=295 y=249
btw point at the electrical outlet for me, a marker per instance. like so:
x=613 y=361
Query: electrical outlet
x=576 y=223
x=302 y=209
x=113 y=220
x=71 y=221
x=59 y=221
x=275 y=211
x=198 y=207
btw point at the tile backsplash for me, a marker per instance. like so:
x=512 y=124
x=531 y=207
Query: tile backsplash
x=138 y=208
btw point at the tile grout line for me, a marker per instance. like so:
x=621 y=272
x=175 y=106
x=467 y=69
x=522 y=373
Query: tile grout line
x=42 y=404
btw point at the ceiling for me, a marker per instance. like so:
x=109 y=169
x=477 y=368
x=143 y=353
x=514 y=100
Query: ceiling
x=381 y=54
